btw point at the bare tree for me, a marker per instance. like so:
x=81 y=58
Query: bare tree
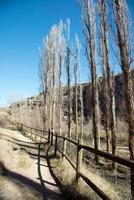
x=54 y=65
x=42 y=86
x=78 y=92
x=106 y=67
x=108 y=80
x=53 y=88
x=60 y=68
x=88 y=17
x=81 y=109
x=122 y=20
x=76 y=65
x=46 y=79
x=51 y=75
x=68 y=70
x=81 y=118
x=112 y=116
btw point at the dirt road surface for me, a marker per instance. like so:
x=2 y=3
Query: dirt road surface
x=27 y=175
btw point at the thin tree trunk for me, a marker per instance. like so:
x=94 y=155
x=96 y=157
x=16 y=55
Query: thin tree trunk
x=94 y=79
x=76 y=107
x=106 y=68
x=69 y=94
x=81 y=112
x=68 y=69
x=60 y=93
x=76 y=69
x=53 y=95
x=113 y=119
x=108 y=80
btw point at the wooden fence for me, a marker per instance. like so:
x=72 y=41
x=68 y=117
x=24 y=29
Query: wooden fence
x=53 y=140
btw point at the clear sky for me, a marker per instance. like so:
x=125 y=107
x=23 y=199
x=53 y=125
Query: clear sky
x=23 y=24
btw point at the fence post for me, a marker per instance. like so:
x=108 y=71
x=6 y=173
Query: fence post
x=51 y=138
x=49 y=134
x=79 y=158
x=34 y=137
x=64 y=148
x=43 y=133
x=55 y=148
x=22 y=128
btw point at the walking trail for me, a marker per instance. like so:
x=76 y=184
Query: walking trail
x=28 y=174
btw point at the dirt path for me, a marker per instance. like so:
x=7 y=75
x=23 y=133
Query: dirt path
x=28 y=174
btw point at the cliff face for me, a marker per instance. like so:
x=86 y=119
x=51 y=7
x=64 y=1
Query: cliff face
x=119 y=96
x=30 y=111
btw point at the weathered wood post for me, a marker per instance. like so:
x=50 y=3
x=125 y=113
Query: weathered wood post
x=34 y=137
x=49 y=135
x=55 y=148
x=43 y=133
x=22 y=129
x=51 y=138
x=79 y=158
x=64 y=148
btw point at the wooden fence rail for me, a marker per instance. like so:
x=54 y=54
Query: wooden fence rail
x=53 y=140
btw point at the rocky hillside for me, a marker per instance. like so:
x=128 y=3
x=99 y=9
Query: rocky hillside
x=30 y=110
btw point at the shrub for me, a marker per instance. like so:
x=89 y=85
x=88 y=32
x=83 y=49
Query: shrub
x=9 y=112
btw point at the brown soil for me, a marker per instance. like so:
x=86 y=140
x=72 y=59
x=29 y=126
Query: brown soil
x=27 y=174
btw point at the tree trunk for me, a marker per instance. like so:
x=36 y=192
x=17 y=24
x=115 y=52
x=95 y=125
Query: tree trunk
x=109 y=111
x=76 y=107
x=60 y=93
x=112 y=124
x=94 y=78
x=68 y=69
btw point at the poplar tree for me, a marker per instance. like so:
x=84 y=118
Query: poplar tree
x=88 y=17
x=108 y=78
x=68 y=71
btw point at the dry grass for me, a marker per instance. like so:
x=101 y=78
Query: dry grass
x=72 y=190
x=101 y=177
x=82 y=191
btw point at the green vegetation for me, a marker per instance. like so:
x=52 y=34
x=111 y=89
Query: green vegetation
x=9 y=112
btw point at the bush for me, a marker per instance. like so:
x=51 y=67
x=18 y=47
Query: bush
x=9 y=112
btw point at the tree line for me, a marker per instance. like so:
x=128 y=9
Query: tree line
x=103 y=22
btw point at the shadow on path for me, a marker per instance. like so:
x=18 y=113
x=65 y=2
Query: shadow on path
x=40 y=176
x=35 y=151
x=46 y=193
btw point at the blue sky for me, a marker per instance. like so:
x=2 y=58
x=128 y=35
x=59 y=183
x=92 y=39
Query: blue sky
x=23 y=24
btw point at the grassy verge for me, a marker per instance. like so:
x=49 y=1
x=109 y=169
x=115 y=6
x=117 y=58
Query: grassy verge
x=73 y=190
x=66 y=176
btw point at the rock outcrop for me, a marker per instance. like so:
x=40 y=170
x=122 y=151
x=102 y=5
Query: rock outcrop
x=30 y=111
